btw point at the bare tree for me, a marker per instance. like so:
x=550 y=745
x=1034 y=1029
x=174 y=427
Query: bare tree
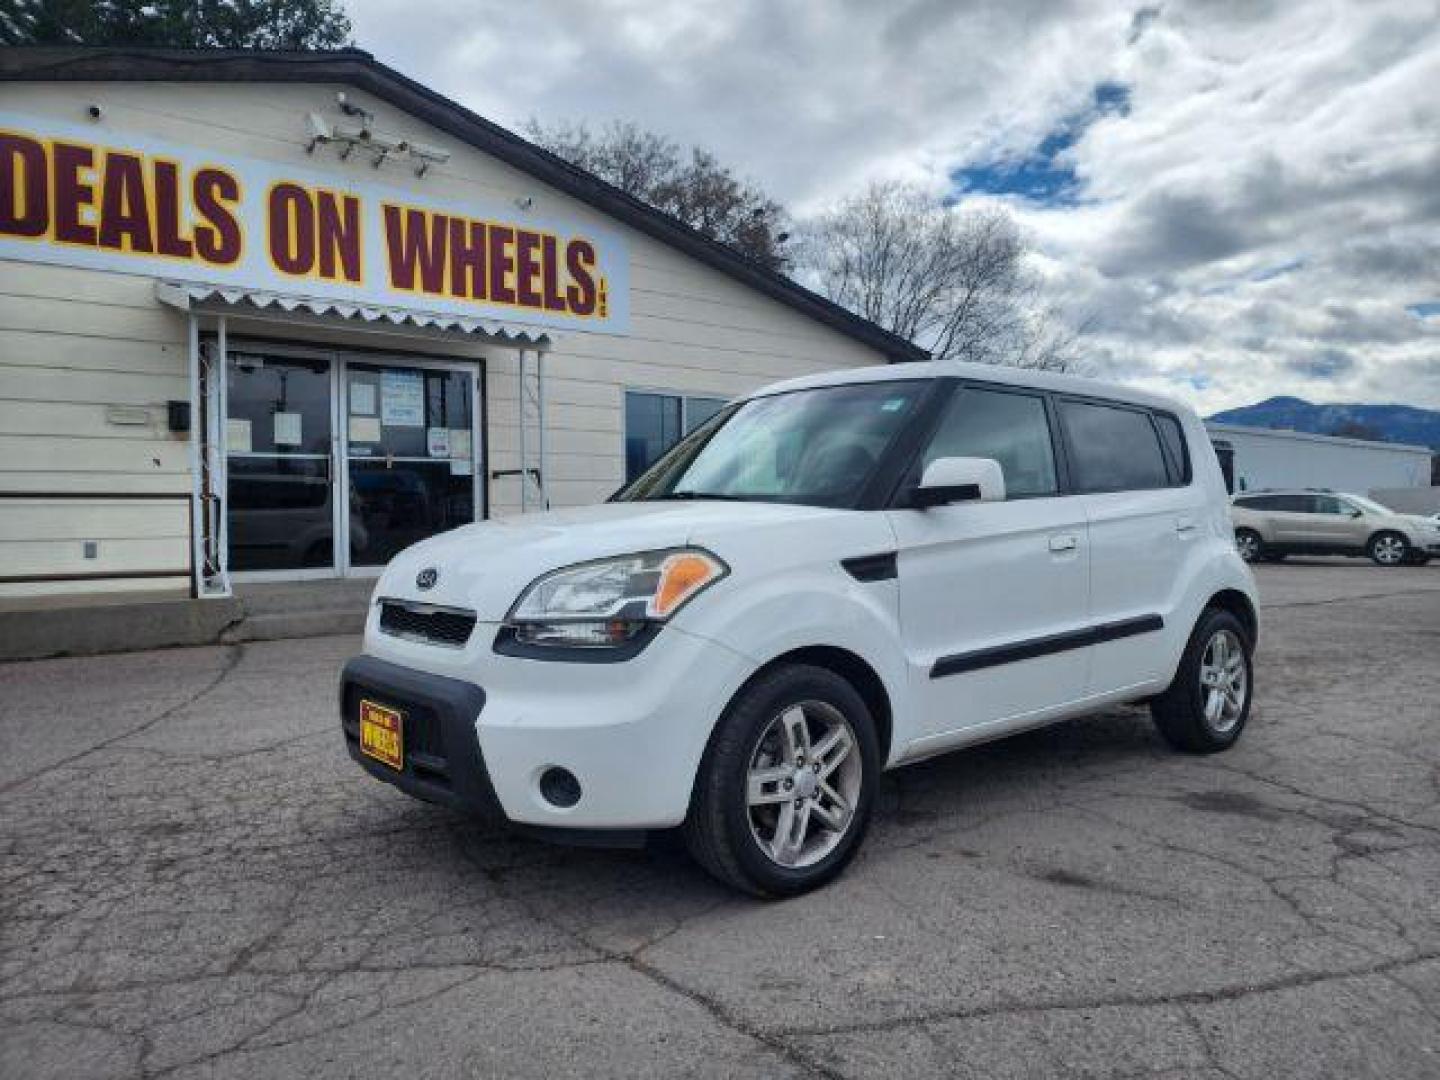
x=954 y=282
x=689 y=184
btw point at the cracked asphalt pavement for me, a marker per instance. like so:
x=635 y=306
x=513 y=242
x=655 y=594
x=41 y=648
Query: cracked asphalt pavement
x=195 y=881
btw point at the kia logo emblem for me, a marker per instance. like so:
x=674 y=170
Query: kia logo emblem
x=427 y=578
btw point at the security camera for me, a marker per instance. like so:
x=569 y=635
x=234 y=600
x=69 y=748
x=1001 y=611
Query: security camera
x=525 y=202
x=95 y=112
x=387 y=144
x=320 y=131
x=427 y=156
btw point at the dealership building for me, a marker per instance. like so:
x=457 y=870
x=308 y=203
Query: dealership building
x=279 y=315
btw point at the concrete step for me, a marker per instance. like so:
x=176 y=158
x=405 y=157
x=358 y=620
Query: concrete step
x=295 y=624
x=41 y=627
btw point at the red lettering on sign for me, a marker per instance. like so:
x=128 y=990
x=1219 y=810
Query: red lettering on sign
x=415 y=242
x=579 y=262
x=527 y=268
x=502 y=263
x=170 y=238
x=24 y=193
x=467 y=259
x=291 y=219
x=73 y=194
x=124 y=208
x=550 y=270
x=339 y=240
x=218 y=240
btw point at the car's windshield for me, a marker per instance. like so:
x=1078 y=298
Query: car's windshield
x=1368 y=504
x=818 y=447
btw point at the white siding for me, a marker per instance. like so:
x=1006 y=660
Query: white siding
x=73 y=342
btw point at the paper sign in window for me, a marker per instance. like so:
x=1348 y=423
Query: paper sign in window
x=437 y=442
x=364 y=429
x=402 y=398
x=237 y=436
x=287 y=429
x=362 y=398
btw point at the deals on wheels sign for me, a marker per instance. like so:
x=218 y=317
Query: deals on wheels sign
x=90 y=198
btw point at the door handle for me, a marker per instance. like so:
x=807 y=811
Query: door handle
x=1184 y=525
x=1066 y=542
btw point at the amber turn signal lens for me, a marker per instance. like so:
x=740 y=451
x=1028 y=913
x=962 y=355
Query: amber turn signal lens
x=681 y=576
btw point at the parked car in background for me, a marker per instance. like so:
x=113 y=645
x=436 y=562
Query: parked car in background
x=829 y=578
x=1272 y=524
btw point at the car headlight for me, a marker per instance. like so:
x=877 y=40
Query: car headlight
x=608 y=602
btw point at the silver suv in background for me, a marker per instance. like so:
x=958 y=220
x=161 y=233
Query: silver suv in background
x=1273 y=524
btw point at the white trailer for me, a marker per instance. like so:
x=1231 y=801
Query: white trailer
x=1268 y=458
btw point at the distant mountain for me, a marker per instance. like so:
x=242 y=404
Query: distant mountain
x=1388 y=423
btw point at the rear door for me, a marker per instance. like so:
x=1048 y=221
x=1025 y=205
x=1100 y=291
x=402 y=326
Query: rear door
x=1145 y=514
x=993 y=595
x=1337 y=525
x=1292 y=520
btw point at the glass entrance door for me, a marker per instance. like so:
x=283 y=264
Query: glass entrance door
x=280 y=491
x=411 y=454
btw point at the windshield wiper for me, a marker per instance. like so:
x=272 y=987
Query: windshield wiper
x=716 y=495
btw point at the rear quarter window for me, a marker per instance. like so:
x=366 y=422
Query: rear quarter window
x=1112 y=448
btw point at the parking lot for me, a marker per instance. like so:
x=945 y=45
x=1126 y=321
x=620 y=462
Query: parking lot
x=197 y=881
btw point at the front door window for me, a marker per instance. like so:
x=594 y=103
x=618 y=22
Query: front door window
x=279 y=465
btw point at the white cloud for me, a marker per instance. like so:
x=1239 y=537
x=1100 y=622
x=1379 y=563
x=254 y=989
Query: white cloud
x=1257 y=222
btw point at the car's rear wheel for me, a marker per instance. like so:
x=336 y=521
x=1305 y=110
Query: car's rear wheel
x=1208 y=704
x=1249 y=545
x=1388 y=549
x=785 y=790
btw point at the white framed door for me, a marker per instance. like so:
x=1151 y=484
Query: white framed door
x=411 y=453
x=336 y=460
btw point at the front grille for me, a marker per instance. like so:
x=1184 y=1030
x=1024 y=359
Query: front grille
x=422 y=622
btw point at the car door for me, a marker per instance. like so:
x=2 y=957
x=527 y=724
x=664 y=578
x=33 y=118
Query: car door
x=1333 y=523
x=993 y=594
x=1292 y=518
x=1144 y=519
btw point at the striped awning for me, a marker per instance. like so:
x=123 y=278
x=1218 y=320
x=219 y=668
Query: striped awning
x=188 y=296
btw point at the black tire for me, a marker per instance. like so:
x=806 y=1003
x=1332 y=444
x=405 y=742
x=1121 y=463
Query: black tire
x=1388 y=548
x=1249 y=544
x=1180 y=713
x=1275 y=556
x=718 y=828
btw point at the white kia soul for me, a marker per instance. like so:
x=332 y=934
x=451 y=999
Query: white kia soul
x=832 y=577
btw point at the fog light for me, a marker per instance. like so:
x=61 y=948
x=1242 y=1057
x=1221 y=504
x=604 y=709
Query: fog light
x=559 y=787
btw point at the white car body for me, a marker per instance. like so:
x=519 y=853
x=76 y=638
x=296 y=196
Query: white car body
x=1126 y=573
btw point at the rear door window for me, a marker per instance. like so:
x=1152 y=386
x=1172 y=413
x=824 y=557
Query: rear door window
x=1112 y=448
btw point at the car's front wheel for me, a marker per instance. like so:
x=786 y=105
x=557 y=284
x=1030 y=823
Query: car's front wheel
x=1388 y=549
x=1208 y=703
x=785 y=790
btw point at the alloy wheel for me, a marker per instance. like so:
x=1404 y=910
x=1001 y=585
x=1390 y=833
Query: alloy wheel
x=1224 y=681
x=1389 y=550
x=803 y=784
x=1248 y=544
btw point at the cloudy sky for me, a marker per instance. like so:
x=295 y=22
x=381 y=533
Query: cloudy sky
x=1243 y=199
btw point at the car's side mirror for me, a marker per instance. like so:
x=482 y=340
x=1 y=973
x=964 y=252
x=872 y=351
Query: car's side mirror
x=1353 y=512
x=959 y=479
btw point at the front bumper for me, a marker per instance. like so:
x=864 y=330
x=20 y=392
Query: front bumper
x=443 y=763
x=632 y=733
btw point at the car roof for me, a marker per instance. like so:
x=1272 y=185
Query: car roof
x=999 y=374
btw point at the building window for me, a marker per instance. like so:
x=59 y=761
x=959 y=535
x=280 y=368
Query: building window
x=656 y=422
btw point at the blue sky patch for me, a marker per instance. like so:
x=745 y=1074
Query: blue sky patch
x=1043 y=174
x=1427 y=309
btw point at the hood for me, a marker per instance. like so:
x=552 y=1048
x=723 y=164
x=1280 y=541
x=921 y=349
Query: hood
x=485 y=566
